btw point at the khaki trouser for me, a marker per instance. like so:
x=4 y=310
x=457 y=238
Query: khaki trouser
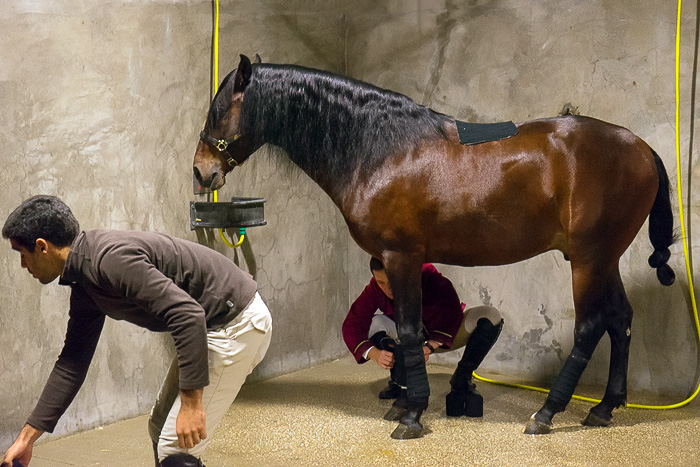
x=234 y=350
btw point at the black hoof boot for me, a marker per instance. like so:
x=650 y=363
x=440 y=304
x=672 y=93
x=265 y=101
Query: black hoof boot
x=464 y=399
x=181 y=460
x=467 y=402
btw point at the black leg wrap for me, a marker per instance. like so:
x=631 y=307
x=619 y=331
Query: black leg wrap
x=565 y=384
x=416 y=376
x=464 y=399
x=399 y=367
x=400 y=405
x=181 y=460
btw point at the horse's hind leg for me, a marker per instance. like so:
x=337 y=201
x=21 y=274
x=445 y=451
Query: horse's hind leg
x=589 y=300
x=619 y=322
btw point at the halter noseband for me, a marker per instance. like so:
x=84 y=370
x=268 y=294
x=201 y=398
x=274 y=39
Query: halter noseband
x=221 y=145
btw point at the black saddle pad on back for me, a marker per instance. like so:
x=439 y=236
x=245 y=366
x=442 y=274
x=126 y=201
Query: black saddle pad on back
x=475 y=133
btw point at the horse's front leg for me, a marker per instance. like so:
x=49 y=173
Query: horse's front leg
x=405 y=281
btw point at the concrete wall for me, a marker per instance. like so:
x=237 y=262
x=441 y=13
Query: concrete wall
x=102 y=105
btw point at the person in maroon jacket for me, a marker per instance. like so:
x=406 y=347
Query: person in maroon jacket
x=369 y=331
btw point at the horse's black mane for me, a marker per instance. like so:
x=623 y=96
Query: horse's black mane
x=221 y=102
x=332 y=125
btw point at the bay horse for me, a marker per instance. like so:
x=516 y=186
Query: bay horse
x=410 y=194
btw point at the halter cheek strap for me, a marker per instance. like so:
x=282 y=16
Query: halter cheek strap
x=221 y=145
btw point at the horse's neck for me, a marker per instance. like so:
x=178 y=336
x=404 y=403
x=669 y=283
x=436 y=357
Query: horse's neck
x=332 y=188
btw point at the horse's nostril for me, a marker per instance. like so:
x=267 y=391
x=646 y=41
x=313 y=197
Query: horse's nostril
x=197 y=175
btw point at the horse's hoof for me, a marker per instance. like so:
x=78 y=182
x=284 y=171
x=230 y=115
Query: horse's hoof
x=413 y=431
x=533 y=427
x=594 y=420
x=395 y=413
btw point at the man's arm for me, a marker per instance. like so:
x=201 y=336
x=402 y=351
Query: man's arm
x=191 y=426
x=84 y=328
x=22 y=448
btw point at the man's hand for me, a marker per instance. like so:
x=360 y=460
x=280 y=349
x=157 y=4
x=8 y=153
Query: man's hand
x=191 y=424
x=22 y=449
x=427 y=350
x=383 y=358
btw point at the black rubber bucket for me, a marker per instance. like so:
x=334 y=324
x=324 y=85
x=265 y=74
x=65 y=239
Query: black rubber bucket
x=239 y=212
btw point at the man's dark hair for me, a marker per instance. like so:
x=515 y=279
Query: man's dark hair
x=375 y=265
x=41 y=216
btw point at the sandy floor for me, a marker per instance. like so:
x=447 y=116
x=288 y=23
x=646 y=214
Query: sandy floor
x=330 y=416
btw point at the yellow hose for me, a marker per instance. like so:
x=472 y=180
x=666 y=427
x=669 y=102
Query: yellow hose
x=685 y=253
x=216 y=87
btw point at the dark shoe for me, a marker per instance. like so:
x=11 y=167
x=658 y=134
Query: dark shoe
x=181 y=460
x=392 y=391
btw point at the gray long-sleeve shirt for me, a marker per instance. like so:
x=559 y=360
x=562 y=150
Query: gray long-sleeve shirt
x=158 y=282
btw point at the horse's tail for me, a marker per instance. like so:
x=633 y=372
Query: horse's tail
x=661 y=226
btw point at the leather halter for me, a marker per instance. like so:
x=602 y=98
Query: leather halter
x=221 y=145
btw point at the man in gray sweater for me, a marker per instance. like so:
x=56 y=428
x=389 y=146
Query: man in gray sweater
x=218 y=322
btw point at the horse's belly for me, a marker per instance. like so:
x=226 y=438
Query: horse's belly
x=506 y=242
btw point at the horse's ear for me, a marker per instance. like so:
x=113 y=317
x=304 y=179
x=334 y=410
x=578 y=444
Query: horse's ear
x=242 y=75
x=257 y=59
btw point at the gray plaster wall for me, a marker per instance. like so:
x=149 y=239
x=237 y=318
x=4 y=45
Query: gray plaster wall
x=102 y=104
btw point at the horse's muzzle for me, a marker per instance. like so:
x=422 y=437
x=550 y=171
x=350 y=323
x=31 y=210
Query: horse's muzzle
x=213 y=180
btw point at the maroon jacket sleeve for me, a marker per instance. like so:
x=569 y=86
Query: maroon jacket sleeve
x=442 y=310
x=357 y=322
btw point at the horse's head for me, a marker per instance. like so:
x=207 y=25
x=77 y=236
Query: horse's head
x=221 y=145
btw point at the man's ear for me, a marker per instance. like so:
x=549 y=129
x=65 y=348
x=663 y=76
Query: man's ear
x=242 y=75
x=42 y=245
